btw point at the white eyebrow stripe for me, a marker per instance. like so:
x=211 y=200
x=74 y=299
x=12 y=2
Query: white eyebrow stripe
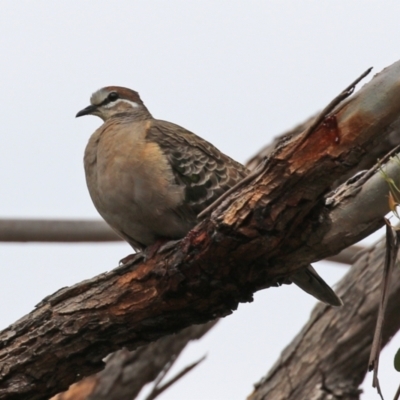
x=113 y=103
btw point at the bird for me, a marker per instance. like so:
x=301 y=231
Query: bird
x=149 y=179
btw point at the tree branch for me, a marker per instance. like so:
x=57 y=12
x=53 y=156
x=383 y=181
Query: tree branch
x=61 y=230
x=254 y=240
x=159 y=389
x=127 y=372
x=328 y=359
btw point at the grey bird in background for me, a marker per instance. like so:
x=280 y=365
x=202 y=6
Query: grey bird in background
x=149 y=179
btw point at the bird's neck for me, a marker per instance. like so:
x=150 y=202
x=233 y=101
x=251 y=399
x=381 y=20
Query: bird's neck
x=141 y=114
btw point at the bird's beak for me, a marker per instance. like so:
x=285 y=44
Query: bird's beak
x=86 y=111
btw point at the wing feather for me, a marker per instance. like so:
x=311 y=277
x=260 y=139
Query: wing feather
x=198 y=166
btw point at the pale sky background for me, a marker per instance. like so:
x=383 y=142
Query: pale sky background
x=235 y=72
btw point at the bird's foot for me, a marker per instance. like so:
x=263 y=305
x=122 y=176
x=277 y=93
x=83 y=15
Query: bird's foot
x=159 y=246
x=154 y=248
x=128 y=258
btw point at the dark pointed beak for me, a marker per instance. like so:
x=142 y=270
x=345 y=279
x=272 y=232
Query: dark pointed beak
x=86 y=111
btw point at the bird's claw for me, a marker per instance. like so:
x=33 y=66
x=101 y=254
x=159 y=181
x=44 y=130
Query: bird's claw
x=127 y=259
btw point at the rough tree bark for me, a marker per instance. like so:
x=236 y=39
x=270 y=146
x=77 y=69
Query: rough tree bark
x=127 y=372
x=254 y=240
x=328 y=359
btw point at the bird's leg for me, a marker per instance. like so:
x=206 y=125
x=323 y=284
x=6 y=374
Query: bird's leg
x=158 y=246
x=129 y=258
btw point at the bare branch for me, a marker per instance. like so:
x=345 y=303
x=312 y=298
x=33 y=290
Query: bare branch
x=127 y=372
x=359 y=204
x=397 y=395
x=159 y=389
x=329 y=357
x=63 y=230
x=392 y=249
x=332 y=105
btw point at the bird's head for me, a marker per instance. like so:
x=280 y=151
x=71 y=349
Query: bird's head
x=115 y=100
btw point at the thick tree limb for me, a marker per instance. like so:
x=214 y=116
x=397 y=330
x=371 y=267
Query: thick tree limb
x=329 y=358
x=253 y=241
x=127 y=372
x=386 y=143
x=355 y=208
x=142 y=366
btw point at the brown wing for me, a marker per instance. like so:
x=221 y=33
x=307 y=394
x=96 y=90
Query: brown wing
x=206 y=173
x=197 y=165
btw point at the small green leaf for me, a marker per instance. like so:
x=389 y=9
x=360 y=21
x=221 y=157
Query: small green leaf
x=397 y=360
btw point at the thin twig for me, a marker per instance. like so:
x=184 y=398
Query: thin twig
x=164 y=372
x=331 y=106
x=397 y=395
x=392 y=249
x=158 y=390
x=368 y=174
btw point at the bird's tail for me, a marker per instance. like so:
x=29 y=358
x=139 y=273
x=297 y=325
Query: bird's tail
x=309 y=280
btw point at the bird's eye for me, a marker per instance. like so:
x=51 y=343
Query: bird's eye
x=113 y=96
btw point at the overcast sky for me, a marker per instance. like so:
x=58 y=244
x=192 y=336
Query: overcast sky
x=235 y=72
